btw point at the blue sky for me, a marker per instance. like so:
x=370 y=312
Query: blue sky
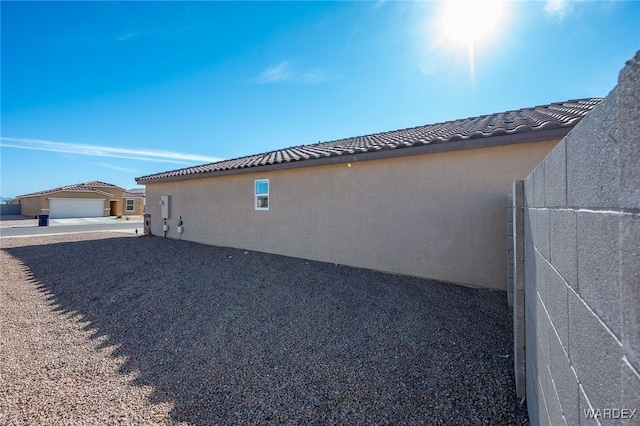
x=113 y=90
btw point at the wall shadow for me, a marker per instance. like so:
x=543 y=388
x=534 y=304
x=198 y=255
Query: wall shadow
x=231 y=336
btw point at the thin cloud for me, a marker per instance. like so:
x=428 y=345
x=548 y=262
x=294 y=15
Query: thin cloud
x=126 y=36
x=379 y=3
x=311 y=77
x=161 y=34
x=557 y=8
x=153 y=155
x=284 y=72
x=114 y=167
x=275 y=73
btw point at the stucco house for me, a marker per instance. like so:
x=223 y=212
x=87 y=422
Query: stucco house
x=428 y=201
x=89 y=199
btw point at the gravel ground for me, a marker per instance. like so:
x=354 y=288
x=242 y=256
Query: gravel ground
x=104 y=328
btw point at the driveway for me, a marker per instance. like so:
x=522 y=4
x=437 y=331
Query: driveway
x=116 y=329
x=20 y=226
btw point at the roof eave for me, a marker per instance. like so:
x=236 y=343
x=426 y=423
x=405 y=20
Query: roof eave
x=475 y=143
x=40 y=194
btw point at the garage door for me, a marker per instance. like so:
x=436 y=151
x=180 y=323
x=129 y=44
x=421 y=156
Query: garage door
x=76 y=208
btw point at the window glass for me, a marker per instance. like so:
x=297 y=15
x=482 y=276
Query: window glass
x=262 y=202
x=130 y=205
x=261 y=196
x=262 y=187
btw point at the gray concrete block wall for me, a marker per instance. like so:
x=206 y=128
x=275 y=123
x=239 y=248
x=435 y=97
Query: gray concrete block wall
x=516 y=292
x=582 y=268
x=510 y=253
x=9 y=209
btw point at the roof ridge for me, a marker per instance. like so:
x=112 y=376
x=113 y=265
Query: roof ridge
x=85 y=186
x=436 y=124
x=555 y=115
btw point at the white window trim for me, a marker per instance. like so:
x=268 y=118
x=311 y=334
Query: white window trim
x=256 y=195
x=126 y=205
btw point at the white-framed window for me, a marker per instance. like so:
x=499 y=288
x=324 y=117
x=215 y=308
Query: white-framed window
x=130 y=205
x=261 y=194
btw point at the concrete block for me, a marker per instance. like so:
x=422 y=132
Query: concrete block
x=538 y=185
x=627 y=133
x=510 y=273
x=544 y=334
x=544 y=418
x=563 y=245
x=566 y=382
x=510 y=269
x=528 y=191
x=542 y=393
x=517 y=242
x=541 y=276
x=519 y=366
x=542 y=231
x=546 y=389
x=555 y=176
x=557 y=306
x=529 y=251
x=595 y=355
x=519 y=297
x=592 y=163
x=517 y=193
x=598 y=265
x=535 y=236
x=517 y=208
x=630 y=393
x=554 y=408
x=532 y=380
x=511 y=295
x=518 y=282
x=630 y=287
x=531 y=313
x=529 y=228
x=518 y=312
x=585 y=405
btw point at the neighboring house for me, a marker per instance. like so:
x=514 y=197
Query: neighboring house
x=89 y=199
x=428 y=201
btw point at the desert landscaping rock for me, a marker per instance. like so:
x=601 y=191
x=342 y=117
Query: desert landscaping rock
x=110 y=329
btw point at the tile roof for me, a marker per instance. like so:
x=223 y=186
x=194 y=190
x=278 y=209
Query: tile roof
x=128 y=194
x=97 y=183
x=79 y=187
x=561 y=115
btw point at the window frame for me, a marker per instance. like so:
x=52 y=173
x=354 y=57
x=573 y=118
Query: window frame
x=133 y=205
x=257 y=195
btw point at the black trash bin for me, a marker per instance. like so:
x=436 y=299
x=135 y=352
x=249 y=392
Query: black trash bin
x=43 y=220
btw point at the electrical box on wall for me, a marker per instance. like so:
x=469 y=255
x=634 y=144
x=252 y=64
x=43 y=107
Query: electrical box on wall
x=165 y=200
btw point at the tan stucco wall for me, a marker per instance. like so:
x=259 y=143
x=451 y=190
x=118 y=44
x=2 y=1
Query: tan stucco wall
x=439 y=215
x=138 y=205
x=32 y=206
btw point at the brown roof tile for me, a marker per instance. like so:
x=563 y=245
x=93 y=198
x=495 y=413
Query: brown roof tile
x=540 y=118
x=127 y=194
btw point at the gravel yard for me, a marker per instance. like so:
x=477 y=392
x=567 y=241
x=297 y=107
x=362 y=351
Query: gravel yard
x=104 y=328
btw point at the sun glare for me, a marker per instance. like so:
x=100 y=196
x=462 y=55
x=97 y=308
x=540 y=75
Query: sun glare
x=468 y=23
